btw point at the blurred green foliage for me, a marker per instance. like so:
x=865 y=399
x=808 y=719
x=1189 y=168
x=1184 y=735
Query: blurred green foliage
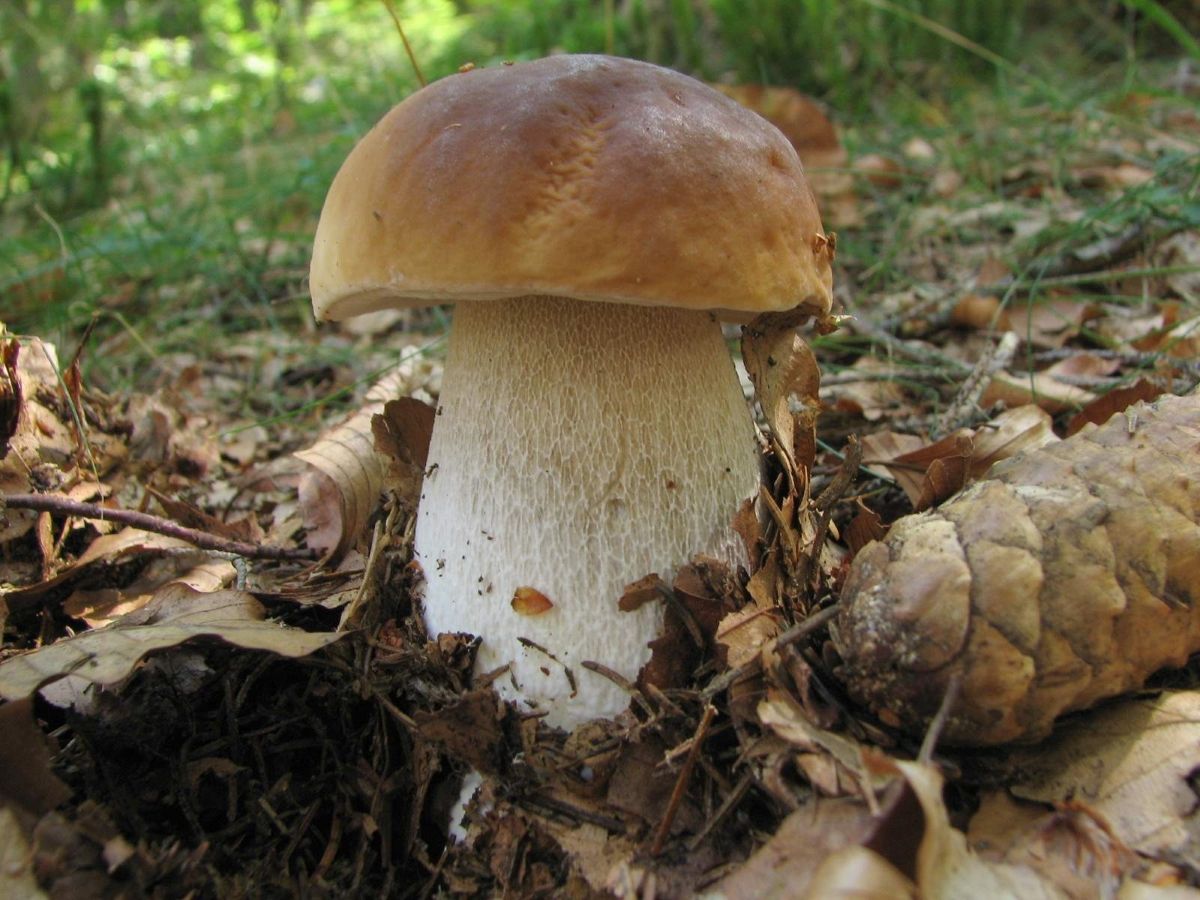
x=170 y=156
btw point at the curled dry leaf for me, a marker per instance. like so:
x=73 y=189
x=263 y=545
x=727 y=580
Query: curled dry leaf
x=1104 y=408
x=32 y=437
x=831 y=849
x=106 y=656
x=929 y=473
x=1070 y=846
x=99 y=606
x=784 y=866
x=353 y=463
x=781 y=367
x=646 y=589
x=784 y=717
x=1071 y=574
x=1134 y=763
x=1035 y=387
x=743 y=634
x=108 y=550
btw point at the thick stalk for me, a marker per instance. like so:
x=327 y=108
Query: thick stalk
x=578 y=446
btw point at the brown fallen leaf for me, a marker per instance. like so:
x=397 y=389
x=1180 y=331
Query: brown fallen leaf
x=647 y=589
x=347 y=474
x=100 y=606
x=785 y=718
x=1035 y=387
x=106 y=656
x=785 y=865
x=946 y=464
x=1133 y=763
x=878 y=394
x=929 y=473
x=26 y=779
x=1013 y=431
x=108 y=550
x=743 y=633
x=1117 y=400
x=1070 y=846
x=782 y=367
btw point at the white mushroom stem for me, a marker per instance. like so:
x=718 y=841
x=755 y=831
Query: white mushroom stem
x=578 y=446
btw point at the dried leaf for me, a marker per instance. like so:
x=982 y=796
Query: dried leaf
x=1121 y=176
x=1011 y=432
x=881 y=447
x=106 y=551
x=177 y=614
x=647 y=589
x=946 y=463
x=875 y=396
x=101 y=606
x=981 y=313
x=747 y=527
x=1117 y=400
x=1133 y=762
x=1017 y=390
x=347 y=475
x=527 y=601
x=882 y=171
x=1071 y=846
x=403 y=430
x=786 y=718
x=26 y=779
x=781 y=366
x=945 y=867
x=783 y=868
x=743 y=634
x=866 y=526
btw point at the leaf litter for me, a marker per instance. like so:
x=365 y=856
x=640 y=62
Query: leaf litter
x=226 y=724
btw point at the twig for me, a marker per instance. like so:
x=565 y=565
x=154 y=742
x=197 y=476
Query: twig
x=579 y=814
x=735 y=796
x=810 y=624
x=809 y=571
x=64 y=506
x=962 y=408
x=685 y=775
x=953 y=689
x=412 y=57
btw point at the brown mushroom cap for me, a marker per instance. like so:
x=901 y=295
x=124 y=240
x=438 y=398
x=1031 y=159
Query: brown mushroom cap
x=589 y=177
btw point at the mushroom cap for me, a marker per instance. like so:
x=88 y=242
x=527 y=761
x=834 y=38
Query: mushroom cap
x=590 y=177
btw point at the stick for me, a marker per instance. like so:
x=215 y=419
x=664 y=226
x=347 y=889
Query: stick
x=64 y=506
x=685 y=775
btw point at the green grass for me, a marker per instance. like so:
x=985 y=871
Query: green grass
x=188 y=215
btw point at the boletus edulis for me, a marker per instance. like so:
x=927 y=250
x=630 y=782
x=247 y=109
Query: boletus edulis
x=591 y=219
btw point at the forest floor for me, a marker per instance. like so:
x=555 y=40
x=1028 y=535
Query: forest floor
x=212 y=722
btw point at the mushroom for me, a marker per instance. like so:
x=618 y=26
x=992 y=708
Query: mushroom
x=590 y=217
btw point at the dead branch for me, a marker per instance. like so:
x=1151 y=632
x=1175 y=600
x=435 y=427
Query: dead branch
x=64 y=506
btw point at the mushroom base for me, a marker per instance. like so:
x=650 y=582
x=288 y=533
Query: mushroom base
x=578 y=447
